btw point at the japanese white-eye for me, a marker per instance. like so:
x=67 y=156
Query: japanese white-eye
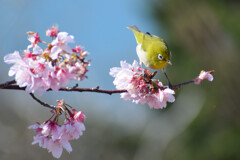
x=152 y=51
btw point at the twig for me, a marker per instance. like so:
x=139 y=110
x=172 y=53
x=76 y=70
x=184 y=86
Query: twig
x=177 y=86
x=6 y=84
x=42 y=103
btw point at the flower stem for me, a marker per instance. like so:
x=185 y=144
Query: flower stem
x=42 y=103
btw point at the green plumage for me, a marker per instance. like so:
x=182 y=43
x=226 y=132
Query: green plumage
x=154 y=48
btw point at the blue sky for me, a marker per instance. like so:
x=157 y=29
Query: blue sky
x=99 y=26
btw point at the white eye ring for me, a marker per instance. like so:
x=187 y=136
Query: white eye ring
x=160 y=57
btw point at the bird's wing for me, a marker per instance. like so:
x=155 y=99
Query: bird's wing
x=148 y=40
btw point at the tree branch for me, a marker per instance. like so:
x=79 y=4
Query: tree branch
x=96 y=90
x=42 y=103
x=9 y=85
x=6 y=84
x=177 y=86
x=67 y=89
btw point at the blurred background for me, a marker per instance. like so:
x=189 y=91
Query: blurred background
x=203 y=122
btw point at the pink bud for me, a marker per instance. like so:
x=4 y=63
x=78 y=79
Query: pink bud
x=204 y=75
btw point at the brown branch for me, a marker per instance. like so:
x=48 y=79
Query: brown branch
x=95 y=90
x=42 y=103
x=10 y=85
x=74 y=89
x=6 y=84
x=177 y=86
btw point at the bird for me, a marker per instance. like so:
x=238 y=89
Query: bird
x=152 y=51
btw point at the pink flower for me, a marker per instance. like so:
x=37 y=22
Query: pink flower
x=77 y=49
x=28 y=72
x=52 y=32
x=124 y=75
x=20 y=69
x=33 y=38
x=73 y=126
x=39 y=138
x=159 y=101
x=60 y=44
x=53 y=136
x=72 y=130
x=38 y=71
x=50 y=128
x=141 y=89
x=79 y=116
x=80 y=50
x=37 y=50
x=48 y=137
x=78 y=71
x=203 y=75
x=56 y=147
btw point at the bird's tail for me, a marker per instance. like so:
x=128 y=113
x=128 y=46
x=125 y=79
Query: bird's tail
x=134 y=28
x=137 y=32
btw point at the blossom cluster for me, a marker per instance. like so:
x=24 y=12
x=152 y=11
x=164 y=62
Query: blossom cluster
x=141 y=88
x=54 y=136
x=40 y=69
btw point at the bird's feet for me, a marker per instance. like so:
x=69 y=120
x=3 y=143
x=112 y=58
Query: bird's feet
x=169 y=83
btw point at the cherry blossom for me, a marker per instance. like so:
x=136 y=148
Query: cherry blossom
x=52 y=32
x=55 y=136
x=33 y=38
x=40 y=69
x=141 y=88
x=60 y=44
x=204 y=75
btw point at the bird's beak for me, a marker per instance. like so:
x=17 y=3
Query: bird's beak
x=169 y=62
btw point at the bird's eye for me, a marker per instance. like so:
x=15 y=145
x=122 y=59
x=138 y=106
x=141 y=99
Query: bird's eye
x=160 y=57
